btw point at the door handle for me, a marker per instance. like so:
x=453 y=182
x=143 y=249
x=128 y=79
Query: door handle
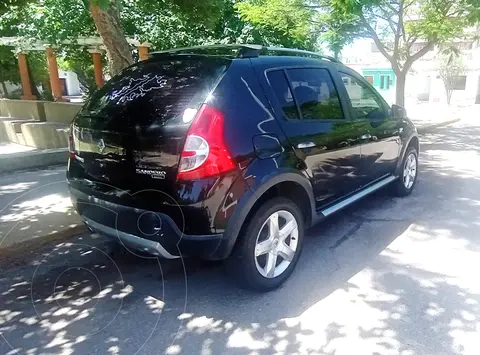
x=304 y=145
x=365 y=137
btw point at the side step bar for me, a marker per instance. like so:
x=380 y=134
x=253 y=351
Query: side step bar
x=357 y=196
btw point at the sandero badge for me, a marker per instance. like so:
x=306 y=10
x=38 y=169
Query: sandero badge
x=154 y=174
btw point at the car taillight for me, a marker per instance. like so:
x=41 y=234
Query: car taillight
x=205 y=152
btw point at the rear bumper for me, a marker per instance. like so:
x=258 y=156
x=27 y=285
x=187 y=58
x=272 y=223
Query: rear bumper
x=148 y=231
x=130 y=240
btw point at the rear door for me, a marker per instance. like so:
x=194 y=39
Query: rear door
x=131 y=132
x=312 y=116
x=381 y=139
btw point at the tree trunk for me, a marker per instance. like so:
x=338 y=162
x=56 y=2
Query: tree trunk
x=107 y=22
x=449 y=96
x=5 y=90
x=400 y=88
x=336 y=53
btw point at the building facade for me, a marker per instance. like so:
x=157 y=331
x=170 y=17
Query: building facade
x=423 y=80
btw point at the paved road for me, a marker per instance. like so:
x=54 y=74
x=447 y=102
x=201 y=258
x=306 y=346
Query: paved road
x=386 y=276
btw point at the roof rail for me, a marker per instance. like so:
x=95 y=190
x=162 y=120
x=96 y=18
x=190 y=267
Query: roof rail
x=301 y=52
x=241 y=51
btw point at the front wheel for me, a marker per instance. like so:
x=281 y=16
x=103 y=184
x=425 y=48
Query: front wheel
x=269 y=246
x=408 y=175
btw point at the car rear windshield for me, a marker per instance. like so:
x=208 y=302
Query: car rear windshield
x=152 y=92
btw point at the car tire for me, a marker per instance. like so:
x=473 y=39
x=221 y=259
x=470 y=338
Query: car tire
x=249 y=265
x=405 y=183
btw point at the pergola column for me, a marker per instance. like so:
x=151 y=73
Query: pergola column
x=143 y=51
x=97 y=66
x=25 y=78
x=54 y=77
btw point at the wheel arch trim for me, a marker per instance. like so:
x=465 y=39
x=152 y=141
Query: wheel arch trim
x=240 y=214
x=404 y=150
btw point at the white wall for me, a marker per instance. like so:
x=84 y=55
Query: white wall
x=360 y=56
x=72 y=83
x=10 y=87
x=71 y=80
x=416 y=84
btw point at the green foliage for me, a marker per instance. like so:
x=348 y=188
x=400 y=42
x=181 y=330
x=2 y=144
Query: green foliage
x=338 y=28
x=7 y=5
x=78 y=60
x=284 y=22
x=8 y=66
x=50 y=21
x=37 y=64
x=164 y=24
x=395 y=26
x=439 y=20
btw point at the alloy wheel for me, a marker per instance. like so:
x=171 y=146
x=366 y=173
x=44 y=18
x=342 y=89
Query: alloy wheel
x=410 y=171
x=276 y=244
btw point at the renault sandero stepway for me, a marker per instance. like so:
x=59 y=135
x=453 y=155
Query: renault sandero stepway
x=232 y=152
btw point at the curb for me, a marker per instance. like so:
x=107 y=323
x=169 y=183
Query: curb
x=15 y=253
x=29 y=160
x=430 y=127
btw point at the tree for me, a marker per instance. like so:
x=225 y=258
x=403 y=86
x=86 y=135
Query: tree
x=404 y=30
x=106 y=16
x=78 y=60
x=162 y=23
x=288 y=22
x=8 y=69
x=451 y=67
x=338 y=29
x=6 y=5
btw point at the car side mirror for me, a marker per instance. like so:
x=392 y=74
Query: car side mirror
x=398 y=112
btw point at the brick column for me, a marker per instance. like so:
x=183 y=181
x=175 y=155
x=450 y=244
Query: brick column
x=53 y=72
x=25 y=78
x=143 y=51
x=97 y=66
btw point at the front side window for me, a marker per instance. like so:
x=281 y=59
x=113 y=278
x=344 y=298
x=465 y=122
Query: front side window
x=365 y=103
x=315 y=94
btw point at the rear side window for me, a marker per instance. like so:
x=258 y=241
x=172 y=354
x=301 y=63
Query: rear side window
x=315 y=94
x=282 y=92
x=152 y=92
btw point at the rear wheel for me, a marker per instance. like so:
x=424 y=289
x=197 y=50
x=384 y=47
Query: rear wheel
x=269 y=247
x=408 y=174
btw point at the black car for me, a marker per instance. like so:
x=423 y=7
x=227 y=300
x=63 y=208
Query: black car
x=231 y=152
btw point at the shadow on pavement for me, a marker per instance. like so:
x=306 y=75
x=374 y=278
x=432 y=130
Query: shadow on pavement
x=384 y=276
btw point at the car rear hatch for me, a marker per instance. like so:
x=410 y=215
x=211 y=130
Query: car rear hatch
x=130 y=134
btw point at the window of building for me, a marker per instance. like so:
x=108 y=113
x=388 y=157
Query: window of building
x=463 y=45
x=458 y=82
x=385 y=82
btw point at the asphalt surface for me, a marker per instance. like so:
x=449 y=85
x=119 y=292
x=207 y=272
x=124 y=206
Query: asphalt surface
x=385 y=276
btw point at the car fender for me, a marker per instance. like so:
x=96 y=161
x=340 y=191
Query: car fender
x=251 y=196
x=407 y=141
